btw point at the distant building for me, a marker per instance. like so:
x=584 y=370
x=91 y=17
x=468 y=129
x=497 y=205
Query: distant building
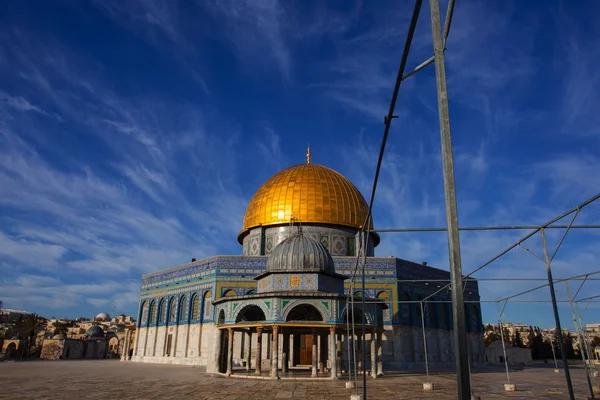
x=290 y=288
x=93 y=344
x=10 y=316
x=494 y=354
x=593 y=328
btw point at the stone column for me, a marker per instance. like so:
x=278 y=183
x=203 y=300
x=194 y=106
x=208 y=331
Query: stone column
x=321 y=350
x=285 y=353
x=315 y=359
x=379 y=354
x=124 y=351
x=359 y=351
x=248 y=350
x=258 y=360
x=338 y=352
x=217 y=359
x=333 y=352
x=292 y=340
x=275 y=353
x=230 y=351
x=373 y=354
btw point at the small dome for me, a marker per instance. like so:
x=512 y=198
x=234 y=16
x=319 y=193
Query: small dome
x=94 y=331
x=102 y=317
x=116 y=328
x=300 y=253
x=59 y=336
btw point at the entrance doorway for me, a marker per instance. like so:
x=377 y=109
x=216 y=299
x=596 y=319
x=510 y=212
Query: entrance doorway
x=306 y=342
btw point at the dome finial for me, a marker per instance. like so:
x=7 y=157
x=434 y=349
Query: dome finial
x=308 y=155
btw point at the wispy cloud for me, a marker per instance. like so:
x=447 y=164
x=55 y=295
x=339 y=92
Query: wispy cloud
x=253 y=28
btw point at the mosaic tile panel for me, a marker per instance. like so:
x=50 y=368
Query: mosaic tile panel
x=268 y=244
x=254 y=246
x=338 y=246
x=351 y=244
x=325 y=241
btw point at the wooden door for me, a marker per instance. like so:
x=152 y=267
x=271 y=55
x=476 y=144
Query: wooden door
x=306 y=342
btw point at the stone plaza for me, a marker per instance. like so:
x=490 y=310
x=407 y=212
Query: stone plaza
x=101 y=379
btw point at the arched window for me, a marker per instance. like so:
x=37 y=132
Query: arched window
x=444 y=316
x=250 y=313
x=144 y=313
x=405 y=306
x=475 y=324
x=222 y=318
x=385 y=297
x=207 y=305
x=356 y=315
x=229 y=293
x=183 y=309
x=173 y=311
x=418 y=320
x=153 y=312
x=304 y=312
x=195 y=307
x=431 y=320
x=163 y=311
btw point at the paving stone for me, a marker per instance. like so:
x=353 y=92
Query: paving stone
x=102 y=379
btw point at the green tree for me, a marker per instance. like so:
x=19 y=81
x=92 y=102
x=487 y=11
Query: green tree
x=491 y=337
x=30 y=324
x=517 y=341
x=567 y=345
x=60 y=327
x=595 y=342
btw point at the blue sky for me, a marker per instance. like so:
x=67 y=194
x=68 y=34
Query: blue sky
x=134 y=133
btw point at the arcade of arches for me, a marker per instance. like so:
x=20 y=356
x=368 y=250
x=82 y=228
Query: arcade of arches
x=304 y=342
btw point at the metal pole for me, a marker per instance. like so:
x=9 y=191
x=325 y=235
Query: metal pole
x=503 y=345
x=424 y=339
x=557 y=317
x=364 y=336
x=458 y=311
x=588 y=347
x=581 y=342
x=553 y=353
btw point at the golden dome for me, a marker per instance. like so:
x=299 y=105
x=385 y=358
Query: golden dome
x=308 y=193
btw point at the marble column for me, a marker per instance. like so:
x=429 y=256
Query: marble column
x=379 y=354
x=315 y=359
x=359 y=351
x=285 y=354
x=292 y=340
x=230 y=351
x=322 y=353
x=338 y=352
x=275 y=353
x=258 y=361
x=124 y=349
x=218 y=355
x=333 y=352
x=248 y=350
x=373 y=354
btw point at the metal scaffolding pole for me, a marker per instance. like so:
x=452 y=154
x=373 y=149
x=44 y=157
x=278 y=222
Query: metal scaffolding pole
x=556 y=316
x=502 y=338
x=554 y=354
x=424 y=340
x=581 y=340
x=458 y=308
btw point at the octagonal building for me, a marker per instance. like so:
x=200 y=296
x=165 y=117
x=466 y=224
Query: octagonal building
x=285 y=307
